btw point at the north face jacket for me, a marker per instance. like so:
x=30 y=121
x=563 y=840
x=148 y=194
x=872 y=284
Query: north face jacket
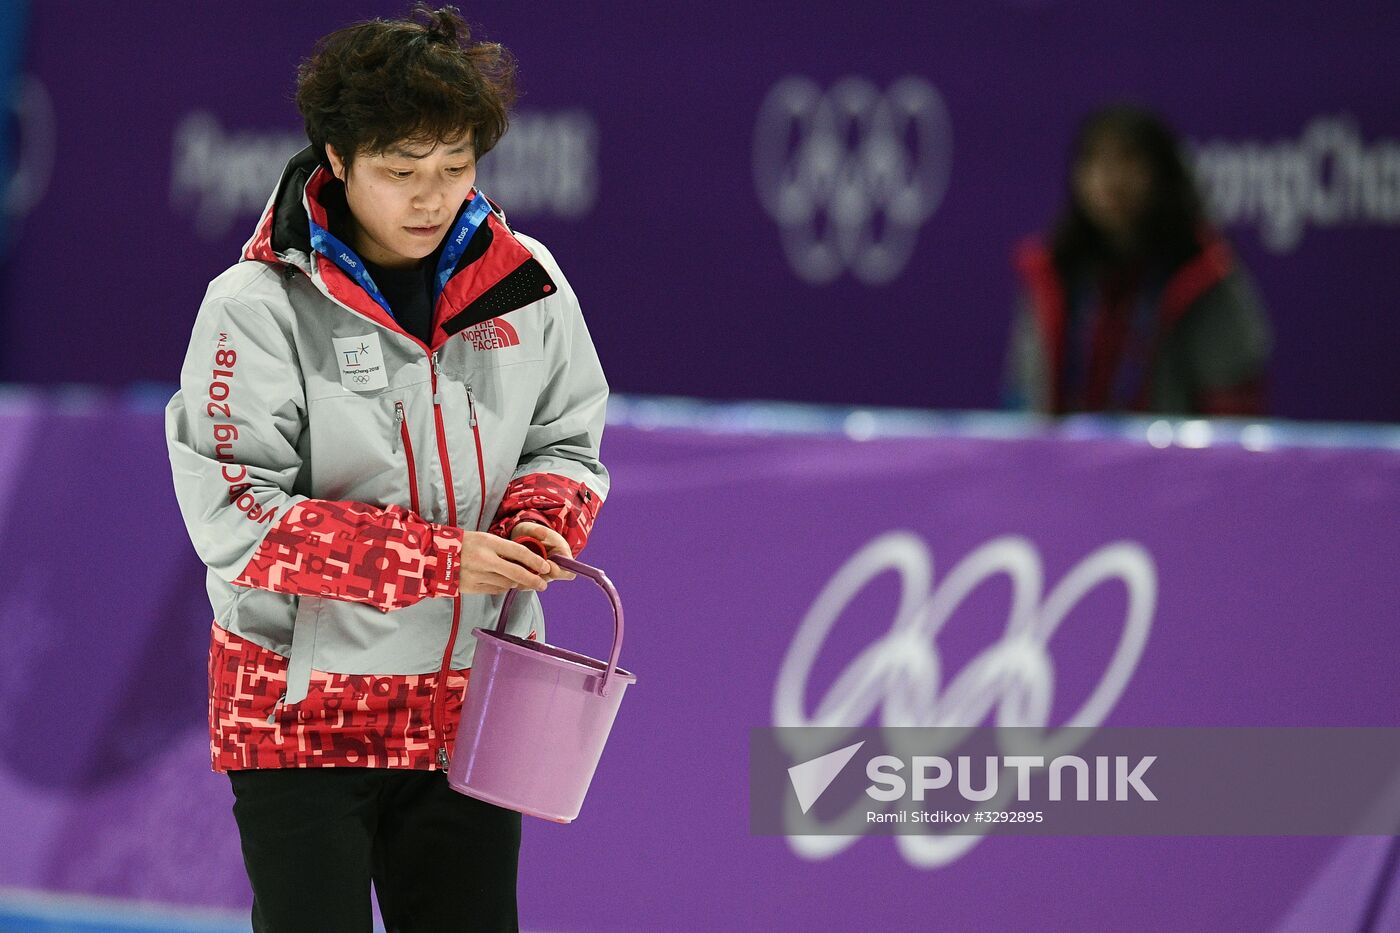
x=327 y=465
x=1207 y=352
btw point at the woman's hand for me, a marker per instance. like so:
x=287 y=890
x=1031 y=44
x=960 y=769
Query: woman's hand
x=553 y=542
x=491 y=564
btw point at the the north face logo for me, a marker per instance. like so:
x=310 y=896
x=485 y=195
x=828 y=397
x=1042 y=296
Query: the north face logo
x=491 y=335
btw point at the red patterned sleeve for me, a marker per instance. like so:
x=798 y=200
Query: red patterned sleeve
x=567 y=506
x=386 y=557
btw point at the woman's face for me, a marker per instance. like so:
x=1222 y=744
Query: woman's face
x=1113 y=183
x=403 y=198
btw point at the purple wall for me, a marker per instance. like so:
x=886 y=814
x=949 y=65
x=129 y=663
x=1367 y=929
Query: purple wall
x=1273 y=603
x=150 y=140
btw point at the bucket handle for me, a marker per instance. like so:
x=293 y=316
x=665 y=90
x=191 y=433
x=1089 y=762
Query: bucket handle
x=598 y=577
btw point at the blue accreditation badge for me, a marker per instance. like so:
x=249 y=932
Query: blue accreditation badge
x=326 y=243
x=472 y=218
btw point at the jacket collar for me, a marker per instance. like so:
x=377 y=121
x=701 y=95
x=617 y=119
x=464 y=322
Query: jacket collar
x=495 y=275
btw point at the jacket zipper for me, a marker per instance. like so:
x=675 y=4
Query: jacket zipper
x=439 y=690
x=438 y=696
x=407 y=442
x=272 y=716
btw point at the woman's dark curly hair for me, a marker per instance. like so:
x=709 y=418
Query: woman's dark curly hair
x=1172 y=222
x=421 y=80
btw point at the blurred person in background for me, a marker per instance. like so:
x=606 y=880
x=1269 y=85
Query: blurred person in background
x=1134 y=302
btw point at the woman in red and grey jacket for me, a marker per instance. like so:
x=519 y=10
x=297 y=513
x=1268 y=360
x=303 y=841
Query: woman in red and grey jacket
x=1135 y=304
x=387 y=393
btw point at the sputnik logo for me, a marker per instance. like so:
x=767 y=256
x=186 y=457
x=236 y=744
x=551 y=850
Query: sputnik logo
x=811 y=778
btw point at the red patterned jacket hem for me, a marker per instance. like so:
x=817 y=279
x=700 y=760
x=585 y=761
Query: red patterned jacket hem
x=346 y=720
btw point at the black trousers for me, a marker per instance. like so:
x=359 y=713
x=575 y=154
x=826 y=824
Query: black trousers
x=314 y=838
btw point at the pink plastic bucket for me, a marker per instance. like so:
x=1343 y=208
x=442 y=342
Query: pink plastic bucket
x=536 y=717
